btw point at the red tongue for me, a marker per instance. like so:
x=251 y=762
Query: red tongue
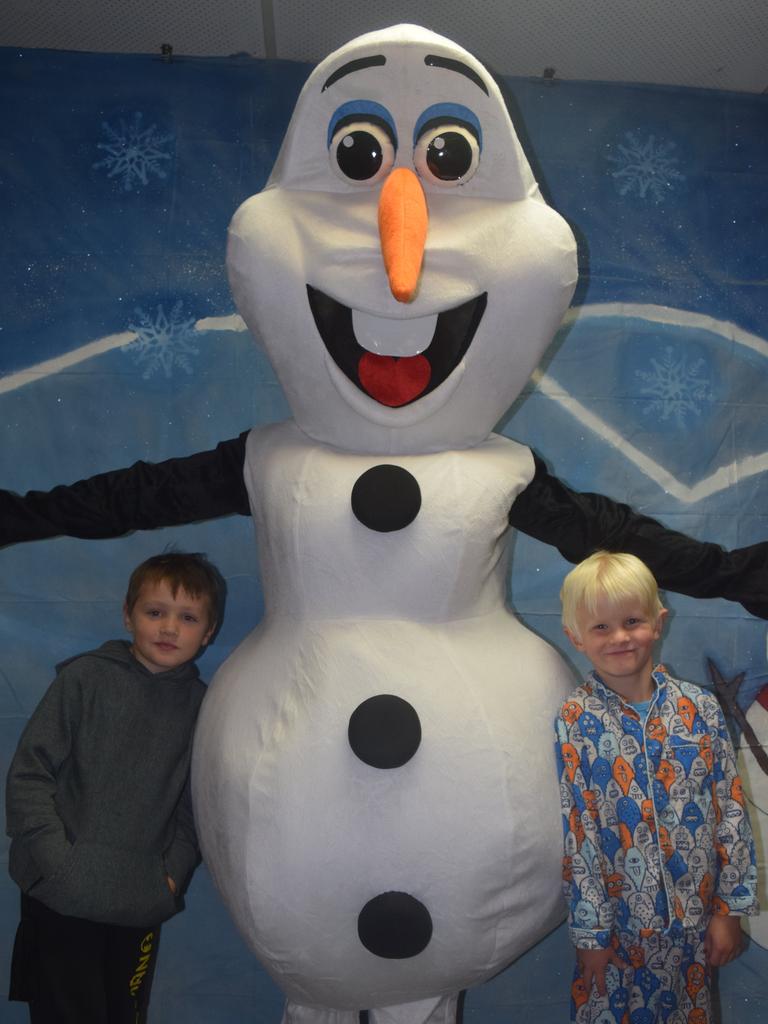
x=393 y=381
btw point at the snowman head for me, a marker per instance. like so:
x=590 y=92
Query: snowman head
x=401 y=267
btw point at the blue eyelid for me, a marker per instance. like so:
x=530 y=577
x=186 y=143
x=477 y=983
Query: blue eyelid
x=451 y=112
x=361 y=108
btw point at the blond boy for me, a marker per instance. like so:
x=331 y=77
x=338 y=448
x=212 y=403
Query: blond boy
x=652 y=812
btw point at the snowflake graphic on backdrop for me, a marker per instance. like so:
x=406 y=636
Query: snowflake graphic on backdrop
x=676 y=389
x=133 y=152
x=162 y=341
x=647 y=168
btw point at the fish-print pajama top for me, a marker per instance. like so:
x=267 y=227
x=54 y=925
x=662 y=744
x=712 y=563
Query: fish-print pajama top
x=657 y=836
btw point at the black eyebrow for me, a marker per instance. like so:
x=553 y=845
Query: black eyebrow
x=354 y=65
x=433 y=61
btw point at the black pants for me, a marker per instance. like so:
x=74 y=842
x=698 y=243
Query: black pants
x=73 y=971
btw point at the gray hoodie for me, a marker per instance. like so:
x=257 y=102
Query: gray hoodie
x=97 y=797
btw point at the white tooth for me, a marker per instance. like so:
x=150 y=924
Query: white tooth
x=387 y=337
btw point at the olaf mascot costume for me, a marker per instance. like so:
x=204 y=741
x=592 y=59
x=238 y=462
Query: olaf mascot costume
x=372 y=771
x=373 y=776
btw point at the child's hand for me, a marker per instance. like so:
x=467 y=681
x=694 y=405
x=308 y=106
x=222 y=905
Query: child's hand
x=592 y=963
x=171 y=884
x=723 y=941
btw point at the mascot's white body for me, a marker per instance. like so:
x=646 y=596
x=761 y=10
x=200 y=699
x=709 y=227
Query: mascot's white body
x=383 y=856
x=755 y=779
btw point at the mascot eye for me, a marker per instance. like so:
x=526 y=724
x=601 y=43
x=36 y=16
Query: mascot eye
x=362 y=151
x=447 y=154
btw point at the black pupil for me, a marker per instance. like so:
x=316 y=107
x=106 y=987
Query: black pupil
x=359 y=155
x=449 y=156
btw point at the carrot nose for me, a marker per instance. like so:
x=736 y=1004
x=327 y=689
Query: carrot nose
x=403 y=221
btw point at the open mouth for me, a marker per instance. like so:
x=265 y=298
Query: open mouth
x=396 y=380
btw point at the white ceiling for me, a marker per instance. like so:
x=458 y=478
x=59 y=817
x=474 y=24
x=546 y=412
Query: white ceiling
x=719 y=44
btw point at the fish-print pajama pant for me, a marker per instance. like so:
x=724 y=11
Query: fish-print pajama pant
x=667 y=982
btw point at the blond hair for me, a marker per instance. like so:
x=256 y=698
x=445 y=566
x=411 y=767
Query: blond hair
x=613 y=575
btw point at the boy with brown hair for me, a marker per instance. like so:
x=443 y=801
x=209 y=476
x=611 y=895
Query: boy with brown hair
x=653 y=811
x=98 y=804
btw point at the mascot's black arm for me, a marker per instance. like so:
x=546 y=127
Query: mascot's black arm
x=210 y=484
x=579 y=523
x=142 y=497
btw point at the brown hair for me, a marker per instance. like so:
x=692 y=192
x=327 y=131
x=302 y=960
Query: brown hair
x=185 y=570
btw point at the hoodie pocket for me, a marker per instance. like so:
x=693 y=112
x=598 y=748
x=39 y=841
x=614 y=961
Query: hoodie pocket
x=111 y=885
x=51 y=882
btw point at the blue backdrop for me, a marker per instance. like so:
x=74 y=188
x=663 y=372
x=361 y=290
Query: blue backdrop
x=118 y=177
